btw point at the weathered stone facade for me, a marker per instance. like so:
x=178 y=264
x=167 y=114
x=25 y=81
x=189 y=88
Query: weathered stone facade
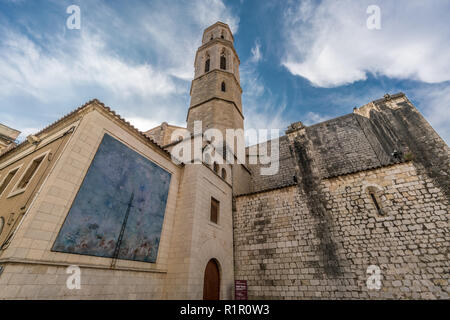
x=188 y=239
x=362 y=192
x=353 y=192
x=287 y=251
x=31 y=269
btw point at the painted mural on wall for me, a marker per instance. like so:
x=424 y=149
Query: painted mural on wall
x=119 y=209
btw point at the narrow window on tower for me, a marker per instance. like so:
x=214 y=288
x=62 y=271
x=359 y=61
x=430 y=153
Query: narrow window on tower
x=207 y=62
x=375 y=200
x=224 y=87
x=224 y=174
x=223 y=61
x=215 y=206
x=222 y=35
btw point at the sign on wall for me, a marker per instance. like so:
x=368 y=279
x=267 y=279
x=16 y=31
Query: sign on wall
x=119 y=209
x=240 y=290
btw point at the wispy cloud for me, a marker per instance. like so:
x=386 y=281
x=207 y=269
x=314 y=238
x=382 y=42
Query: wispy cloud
x=263 y=109
x=435 y=101
x=256 y=52
x=329 y=43
x=138 y=59
x=313 y=118
x=49 y=71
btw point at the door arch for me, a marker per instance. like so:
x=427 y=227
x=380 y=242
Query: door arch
x=211 y=282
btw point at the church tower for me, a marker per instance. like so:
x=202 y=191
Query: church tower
x=216 y=90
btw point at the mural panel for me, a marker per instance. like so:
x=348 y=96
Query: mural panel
x=119 y=209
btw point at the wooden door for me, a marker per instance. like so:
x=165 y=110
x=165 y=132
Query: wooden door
x=211 y=283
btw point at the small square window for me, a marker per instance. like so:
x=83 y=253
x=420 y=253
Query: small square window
x=215 y=206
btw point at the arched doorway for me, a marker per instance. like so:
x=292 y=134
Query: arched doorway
x=211 y=283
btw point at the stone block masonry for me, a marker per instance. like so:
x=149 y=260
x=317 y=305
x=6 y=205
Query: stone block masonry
x=283 y=253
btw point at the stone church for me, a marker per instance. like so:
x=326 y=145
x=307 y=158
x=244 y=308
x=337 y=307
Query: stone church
x=92 y=208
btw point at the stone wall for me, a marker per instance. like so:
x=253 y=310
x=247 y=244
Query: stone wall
x=286 y=251
x=397 y=124
x=363 y=140
x=195 y=239
x=341 y=146
x=29 y=262
x=39 y=281
x=210 y=85
x=162 y=134
x=216 y=114
x=286 y=173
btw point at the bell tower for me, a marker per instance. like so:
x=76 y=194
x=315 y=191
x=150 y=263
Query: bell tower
x=216 y=90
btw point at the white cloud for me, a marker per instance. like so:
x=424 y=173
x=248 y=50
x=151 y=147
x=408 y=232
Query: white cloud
x=330 y=45
x=314 y=118
x=176 y=31
x=25 y=132
x=435 y=103
x=143 y=124
x=263 y=110
x=256 y=52
x=137 y=59
x=25 y=67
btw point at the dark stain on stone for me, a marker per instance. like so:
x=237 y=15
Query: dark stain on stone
x=406 y=130
x=310 y=185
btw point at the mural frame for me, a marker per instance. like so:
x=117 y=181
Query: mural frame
x=85 y=180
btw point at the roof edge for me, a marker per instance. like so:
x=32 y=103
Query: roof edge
x=95 y=103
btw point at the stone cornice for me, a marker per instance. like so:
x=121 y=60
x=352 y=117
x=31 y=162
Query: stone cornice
x=215 y=41
x=214 y=98
x=221 y=24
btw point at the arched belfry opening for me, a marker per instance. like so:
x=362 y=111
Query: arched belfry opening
x=224 y=174
x=207 y=63
x=223 y=60
x=211 y=282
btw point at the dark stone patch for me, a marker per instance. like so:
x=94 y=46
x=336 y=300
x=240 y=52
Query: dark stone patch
x=316 y=202
x=406 y=130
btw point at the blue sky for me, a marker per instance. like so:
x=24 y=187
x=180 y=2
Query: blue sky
x=300 y=60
